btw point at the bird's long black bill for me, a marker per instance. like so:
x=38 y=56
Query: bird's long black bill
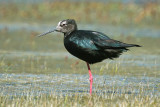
x=46 y=33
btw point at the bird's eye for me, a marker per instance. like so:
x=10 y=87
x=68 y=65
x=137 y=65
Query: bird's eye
x=63 y=24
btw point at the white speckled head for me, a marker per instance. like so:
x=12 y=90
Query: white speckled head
x=65 y=26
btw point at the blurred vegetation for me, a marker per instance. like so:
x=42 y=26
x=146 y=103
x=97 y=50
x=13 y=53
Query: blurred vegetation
x=88 y=12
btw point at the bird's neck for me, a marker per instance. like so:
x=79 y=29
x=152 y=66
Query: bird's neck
x=68 y=33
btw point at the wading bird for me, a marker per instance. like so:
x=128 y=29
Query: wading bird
x=89 y=46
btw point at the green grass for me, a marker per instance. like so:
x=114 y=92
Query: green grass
x=81 y=101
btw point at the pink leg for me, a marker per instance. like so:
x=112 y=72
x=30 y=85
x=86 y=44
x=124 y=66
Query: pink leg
x=90 y=78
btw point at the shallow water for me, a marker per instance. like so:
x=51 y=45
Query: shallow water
x=30 y=84
x=70 y=84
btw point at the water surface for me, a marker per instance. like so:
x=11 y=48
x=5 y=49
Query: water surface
x=30 y=84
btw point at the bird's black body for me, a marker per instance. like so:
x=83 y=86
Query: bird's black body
x=92 y=46
x=89 y=46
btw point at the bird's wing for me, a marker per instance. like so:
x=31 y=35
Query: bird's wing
x=112 y=44
x=102 y=41
x=86 y=39
x=93 y=40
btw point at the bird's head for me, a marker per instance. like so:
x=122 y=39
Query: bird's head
x=65 y=26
